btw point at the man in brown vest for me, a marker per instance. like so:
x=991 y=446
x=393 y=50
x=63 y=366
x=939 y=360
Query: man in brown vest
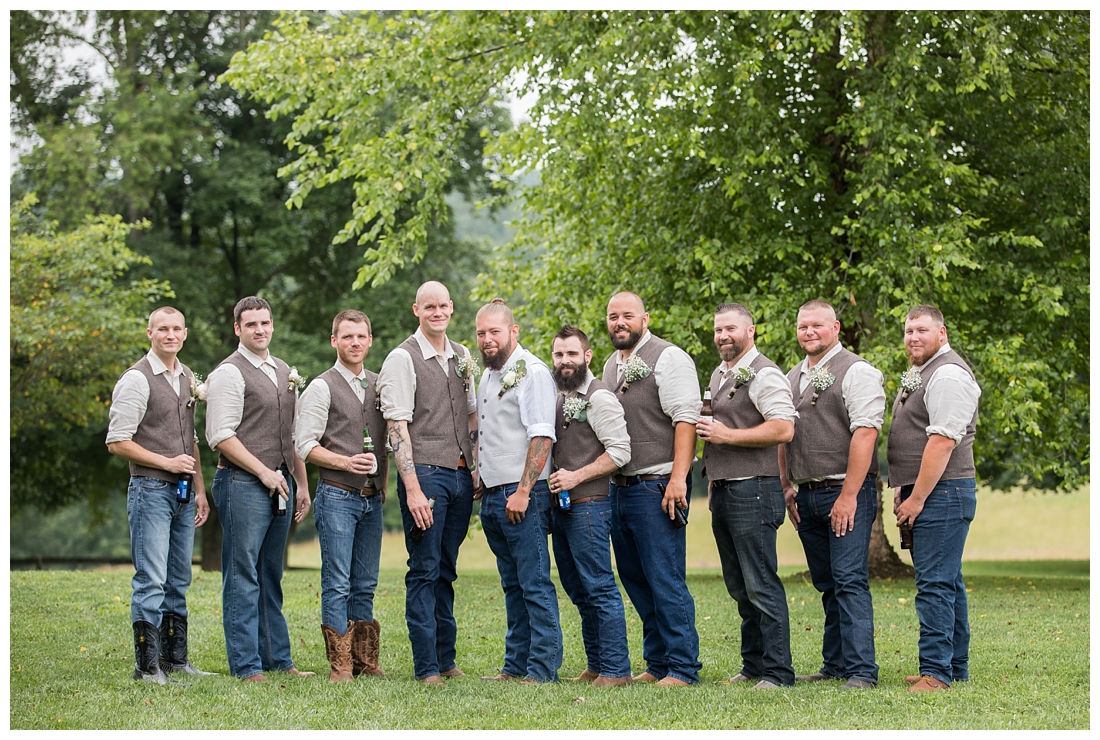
x=930 y=452
x=656 y=383
x=592 y=443
x=753 y=414
x=829 y=471
x=152 y=426
x=427 y=390
x=338 y=420
x=250 y=405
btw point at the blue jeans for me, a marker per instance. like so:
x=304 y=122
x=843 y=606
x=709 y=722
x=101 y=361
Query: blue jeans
x=429 y=582
x=651 y=555
x=838 y=569
x=162 y=538
x=745 y=515
x=253 y=543
x=349 y=528
x=939 y=535
x=532 y=644
x=582 y=551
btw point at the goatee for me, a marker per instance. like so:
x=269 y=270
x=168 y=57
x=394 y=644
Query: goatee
x=631 y=339
x=573 y=380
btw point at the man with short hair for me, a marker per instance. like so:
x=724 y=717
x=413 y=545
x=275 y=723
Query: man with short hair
x=592 y=443
x=337 y=417
x=250 y=407
x=828 y=471
x=930 y=452
x=152 y=426
x=426 y=390
x=515 y=403
x=656 y=383
x=753 y=414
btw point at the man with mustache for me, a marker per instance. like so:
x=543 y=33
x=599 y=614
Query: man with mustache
x=336 y=416
x=656 y=383
x=930 y=452
x=828 y=471
x=753 y=414
x=515 y=405
x=592 y=443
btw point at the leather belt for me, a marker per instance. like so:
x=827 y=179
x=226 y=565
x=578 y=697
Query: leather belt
x=622 y=481
x=364 y=492
x=462 y=463
x=815 y=484
x=229 y=465
x=588 y=498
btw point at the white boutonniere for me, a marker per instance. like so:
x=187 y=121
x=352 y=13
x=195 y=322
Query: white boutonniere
x=575 y=408
x=635 y=369
x=511 y=377
x=295 y=382
x=820 y=379
x=910 y=382
x=198 y=391
x=467 y=368
x=740 y=378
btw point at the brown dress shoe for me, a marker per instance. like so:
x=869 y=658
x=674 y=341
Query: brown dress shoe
x=912 y=679
x=646 y=677
x=609 y=681
x=338 y=652
x=586 y=675
x=928 y=683
x=857 y=683
x=500 y=677
x=453 y=673
x=669 y=682
x=766 y=684
x=432 y=680
x=301 y=674
x=257 y=678
x=819 y=676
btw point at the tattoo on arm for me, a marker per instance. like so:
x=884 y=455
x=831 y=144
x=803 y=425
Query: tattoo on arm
x=402 y=447
x=473 y=436
x=538 y=452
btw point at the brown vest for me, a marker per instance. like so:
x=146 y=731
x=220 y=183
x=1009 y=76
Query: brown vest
x=730 y=461
x=168 y=427
x=578 y=446
x=440 y=429
x=267 y=419
x=908 y=438
x=347 y=418
x=821 y=434
x=652 y=433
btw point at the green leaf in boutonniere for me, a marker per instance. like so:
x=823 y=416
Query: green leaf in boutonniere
x=741 y=377
x=295 y=382
x=575 y=408
x=511 y=377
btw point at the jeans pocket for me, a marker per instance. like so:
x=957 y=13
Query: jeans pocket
x=968 y=502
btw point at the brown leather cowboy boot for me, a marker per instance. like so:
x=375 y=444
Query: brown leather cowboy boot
x=365 y=647
x=338 y=650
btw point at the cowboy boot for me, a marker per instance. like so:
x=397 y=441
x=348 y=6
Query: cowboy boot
x=365 y=646
x=147 y=654
x=173 y=646
x=338 y=650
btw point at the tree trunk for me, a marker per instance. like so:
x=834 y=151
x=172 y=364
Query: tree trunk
x=882 y=561
x=212 y=541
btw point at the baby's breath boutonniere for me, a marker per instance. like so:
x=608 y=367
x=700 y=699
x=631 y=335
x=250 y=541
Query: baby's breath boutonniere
x=295 y=382
x=466 y=368
x=575 y=408
x=512 y=375
x=820 y=378
x=740 y=378
x=635 y=369
x=198 y=391
x=910 y=381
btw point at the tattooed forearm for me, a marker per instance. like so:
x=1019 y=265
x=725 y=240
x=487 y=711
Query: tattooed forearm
x=402 y=449
x=538 y=452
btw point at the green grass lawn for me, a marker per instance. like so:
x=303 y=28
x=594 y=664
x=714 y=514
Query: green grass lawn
x=72 y=657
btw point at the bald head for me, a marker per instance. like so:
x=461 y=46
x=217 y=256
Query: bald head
x=432 y=289
x=627 y=298
x=434 y=308
x=627 y=321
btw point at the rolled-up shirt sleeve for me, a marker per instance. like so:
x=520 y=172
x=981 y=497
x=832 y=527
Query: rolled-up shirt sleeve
x=678 y=385
x=609 y=425
x=770 y=392
x=129 y=401
x=224 y=404
x=951 y=398
x=864 y=397
x=537 y=397
x=397 y=386
x=311 y=419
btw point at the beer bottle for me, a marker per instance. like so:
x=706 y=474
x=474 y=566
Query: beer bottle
x=707 y=411
x=183 y=488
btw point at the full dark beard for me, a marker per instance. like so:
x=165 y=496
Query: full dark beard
x=730 y=352
x=632 y=338
x=570 y=382
x=497 y=360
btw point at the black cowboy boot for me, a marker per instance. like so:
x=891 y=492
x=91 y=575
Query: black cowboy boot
x=147 y=654
x=173 y=646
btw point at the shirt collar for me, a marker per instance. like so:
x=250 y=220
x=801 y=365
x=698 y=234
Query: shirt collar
x=618 y=355
x=159 y=367
x=254 y=358
x=828 y=356
x=428 y=350
x=745 y=361
x=347 y=374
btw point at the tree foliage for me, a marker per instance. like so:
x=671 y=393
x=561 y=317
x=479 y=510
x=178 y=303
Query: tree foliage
x=877 y=159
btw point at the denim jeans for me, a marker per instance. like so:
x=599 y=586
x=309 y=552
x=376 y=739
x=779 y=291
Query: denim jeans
x=162 y=538
x=429 y=582
x=939 y=535
x=838 y=569
x=253 y=543
x=532 y=644
x=582 y=551
x=349 y=528
x=651 y=555
x=745 y=515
